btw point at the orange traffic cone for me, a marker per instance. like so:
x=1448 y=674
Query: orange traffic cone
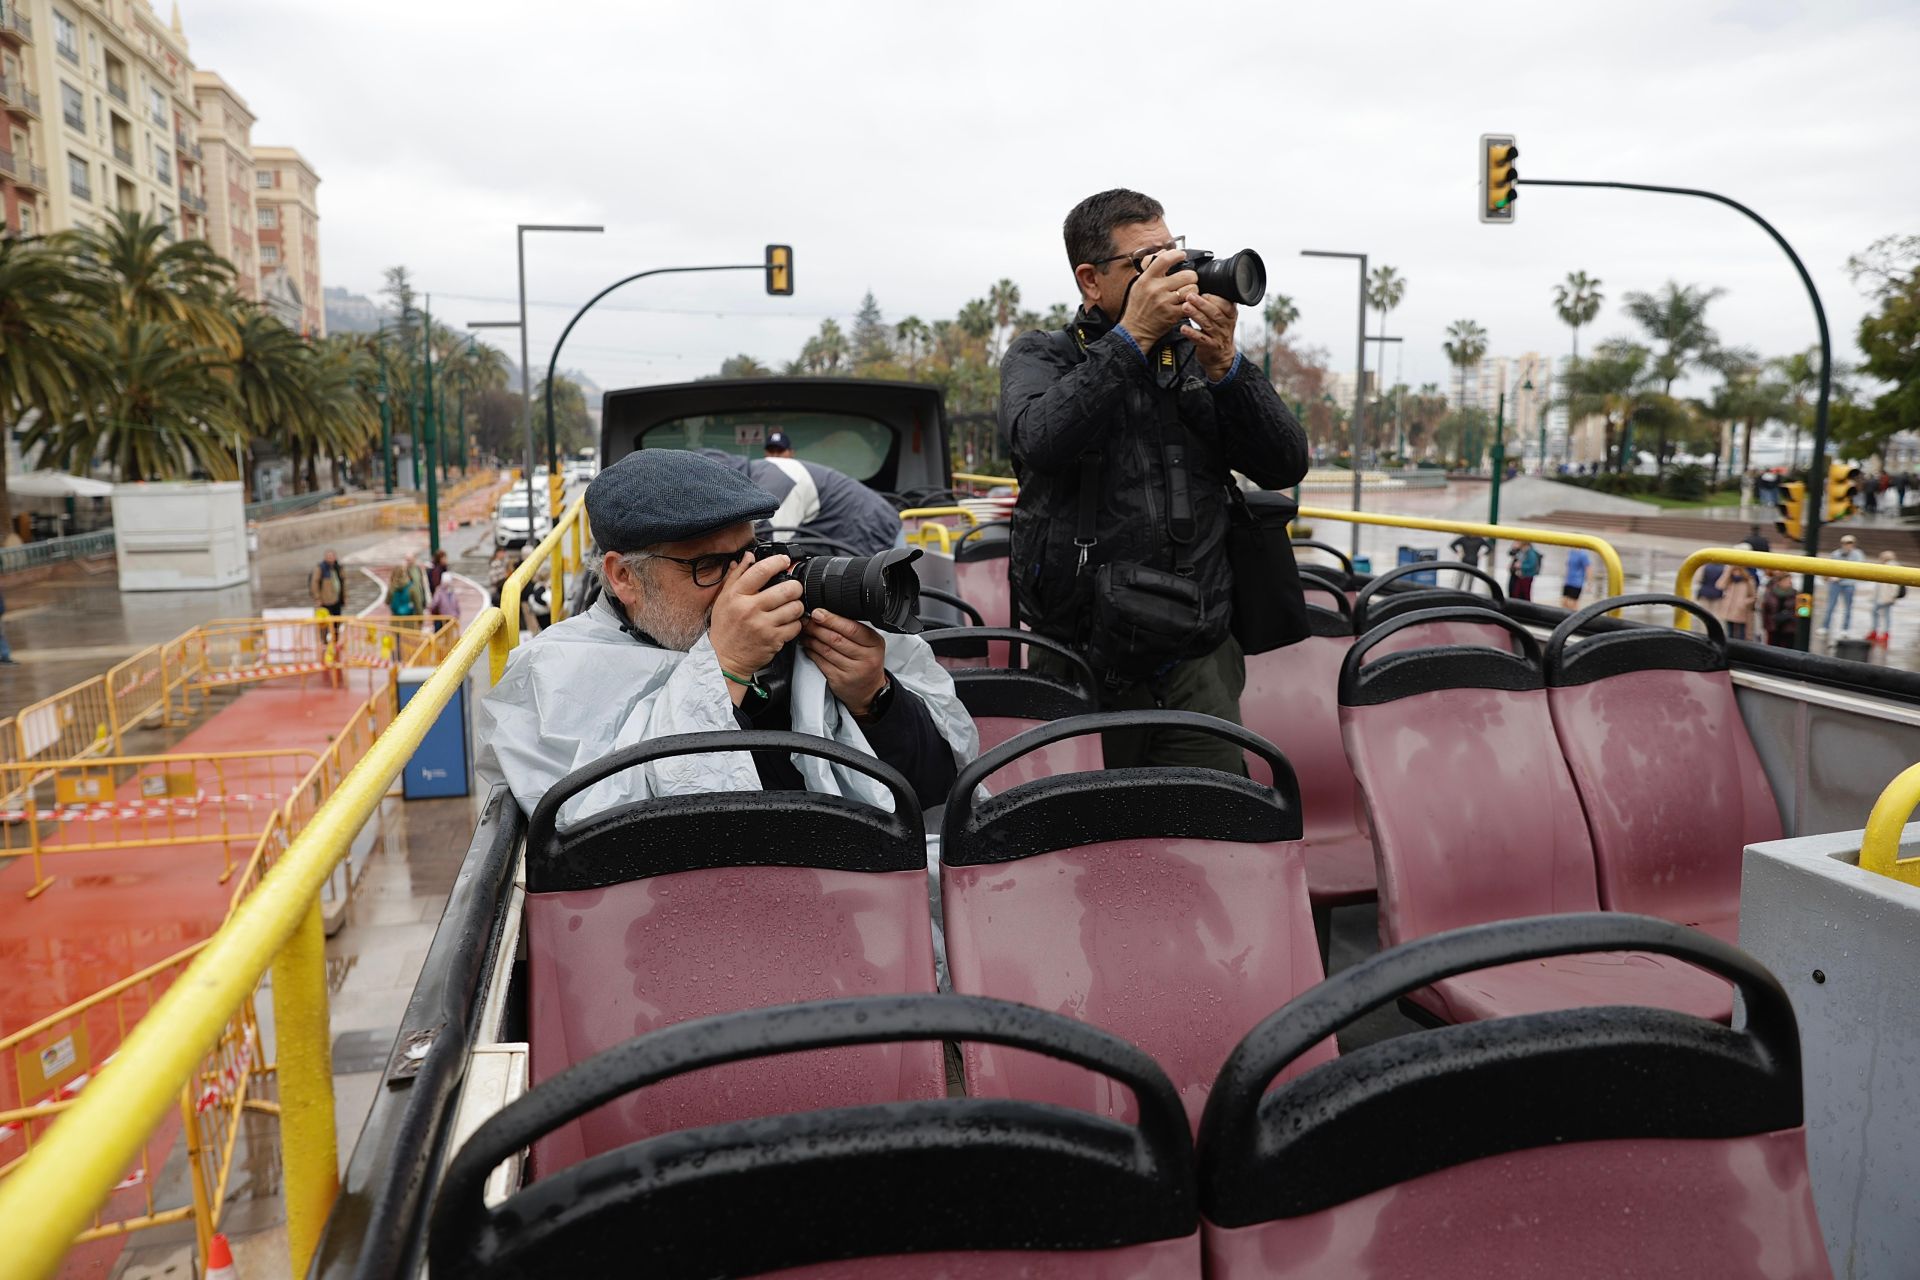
x=220 y=1260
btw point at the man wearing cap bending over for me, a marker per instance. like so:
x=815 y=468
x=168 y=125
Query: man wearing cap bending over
x=685 y=640
x=827 y=502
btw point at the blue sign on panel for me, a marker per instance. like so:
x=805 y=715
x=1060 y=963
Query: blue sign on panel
x=443 y=763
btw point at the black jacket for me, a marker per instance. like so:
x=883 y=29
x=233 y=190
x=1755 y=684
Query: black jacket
x=1063 y=395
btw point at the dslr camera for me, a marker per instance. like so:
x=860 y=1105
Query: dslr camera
x=882 y=590
x=1239 y=277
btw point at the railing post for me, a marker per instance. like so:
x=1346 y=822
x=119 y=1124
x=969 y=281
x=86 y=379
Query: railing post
x=197 y=1174
x=303 y=1056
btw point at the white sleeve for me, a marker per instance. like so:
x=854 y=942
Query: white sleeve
x=802 y=503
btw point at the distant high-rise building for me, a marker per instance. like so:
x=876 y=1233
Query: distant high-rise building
x=287 y=228
x=1527 y=381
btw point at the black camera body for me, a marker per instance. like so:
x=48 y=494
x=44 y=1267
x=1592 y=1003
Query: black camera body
x=882 y=590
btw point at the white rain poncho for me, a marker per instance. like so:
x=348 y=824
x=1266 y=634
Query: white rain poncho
x=583 y=689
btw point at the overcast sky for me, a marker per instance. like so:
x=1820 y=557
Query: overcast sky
x=924 y=151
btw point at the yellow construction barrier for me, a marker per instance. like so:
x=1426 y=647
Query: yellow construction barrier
x=1819 y=566
x=551 y=555
x=1880 y=847
x=51 y=1199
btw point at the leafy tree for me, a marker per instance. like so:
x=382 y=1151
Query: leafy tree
x=1616 y=382
x=1890 y=340
x=572 y=426
x=1004 y=300
x=48 y=343
x=1466 y=346
x=870 y=346
x=743 y=366
x=976 y=319
x=1746 y=398
x=1059 y=316
x=1676 y=319
x=913 y=335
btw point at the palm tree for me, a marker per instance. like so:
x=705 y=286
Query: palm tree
x=976 y=319
x=268 y=376
x=1577 y=301
x=1618 y=382
x=1385 y=289
x=1747 y=397
x=832 y=349
x=1004 y=298
x=912 y=334
x=126 y=268
x=1466 y=347
x=1059 y=316
x=47 y=342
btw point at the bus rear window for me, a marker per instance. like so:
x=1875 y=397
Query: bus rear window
x=846 y=442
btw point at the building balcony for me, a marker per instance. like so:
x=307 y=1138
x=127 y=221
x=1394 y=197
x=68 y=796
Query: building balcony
x=123 y=154
x=32 y=175
x=197 y=203
x=15 y=23
x=26 y=102
x=71 y=52
x=84 y=190
x=185 y=147
x=118 y=91
x=7 y=165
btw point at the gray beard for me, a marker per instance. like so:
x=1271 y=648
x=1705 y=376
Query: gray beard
x=674 y=630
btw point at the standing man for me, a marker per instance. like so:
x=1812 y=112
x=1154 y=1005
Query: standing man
x=1467 y=549
x=1842 y=587
x=1579 y=564
x=1123 y=428
x=327 y=584
x=779 y=445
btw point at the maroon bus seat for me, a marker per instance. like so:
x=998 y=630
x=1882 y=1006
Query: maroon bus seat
x=1006 y=702
x=1375 y=605
x=1292 y=701
x=1577 y=1144
x=1165 y=905
x=943 y=1189
x=1666 y=770
x=1475 y=818
x=1343 y=576
x=982 y=563
x=680 y=907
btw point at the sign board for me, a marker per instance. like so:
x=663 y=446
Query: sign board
x=749 y=434
x=85 y=789
x=44 y=1066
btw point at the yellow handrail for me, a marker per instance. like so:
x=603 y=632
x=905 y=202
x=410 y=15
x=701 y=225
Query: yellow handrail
x=930 y=513
x=1880 y=846
x=515 y=586
x=968 y=477
x=1820 y=566
x=1616 y=574
x=933 y=531
x=49 y=1200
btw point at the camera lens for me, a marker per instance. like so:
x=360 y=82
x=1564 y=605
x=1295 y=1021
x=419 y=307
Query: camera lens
x=883 y=590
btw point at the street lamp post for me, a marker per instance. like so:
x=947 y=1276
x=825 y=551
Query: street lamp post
x=553 y=448
x=428 y=440
x=526 y=373
x=1360 y=374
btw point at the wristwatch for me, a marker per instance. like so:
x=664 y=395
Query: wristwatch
x=881 y=701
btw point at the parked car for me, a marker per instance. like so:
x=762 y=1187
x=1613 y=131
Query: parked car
x=510 y=522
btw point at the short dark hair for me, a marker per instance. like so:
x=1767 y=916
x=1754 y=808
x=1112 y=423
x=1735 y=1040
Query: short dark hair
x=1089 y=228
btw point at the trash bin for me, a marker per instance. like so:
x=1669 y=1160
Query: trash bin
x=1414 y=555
x=1363 y=564
x=1853 y=650
x=442 y=765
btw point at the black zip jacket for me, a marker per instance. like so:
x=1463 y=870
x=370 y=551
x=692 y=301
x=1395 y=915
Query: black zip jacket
x=1063 y=395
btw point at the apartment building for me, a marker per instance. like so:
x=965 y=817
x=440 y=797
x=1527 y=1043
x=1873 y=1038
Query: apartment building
x=287 y=229
x=100 y=115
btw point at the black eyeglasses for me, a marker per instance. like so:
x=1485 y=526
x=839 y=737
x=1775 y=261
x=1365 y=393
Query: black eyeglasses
x=1139 y=256
x=708 y=570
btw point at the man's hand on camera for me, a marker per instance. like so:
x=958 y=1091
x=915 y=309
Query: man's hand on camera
x=1157 y=302
x=751 y=620
x=851 y=655
x=1213 y=340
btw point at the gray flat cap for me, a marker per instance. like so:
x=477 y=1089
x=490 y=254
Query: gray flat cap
x=669 y=495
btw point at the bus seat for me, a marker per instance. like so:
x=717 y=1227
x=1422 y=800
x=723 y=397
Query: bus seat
x=1666 y=770
x=1165 y=905
x=1373 y=606
x=982 y=559
x=1578 y=1144
x=1343 y=575
x=1475 y=818
x=1005 y=702
x=679 y=907
x=1291 y=701
x=951 y=1188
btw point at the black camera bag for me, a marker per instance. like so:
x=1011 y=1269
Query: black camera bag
x=1269 y=607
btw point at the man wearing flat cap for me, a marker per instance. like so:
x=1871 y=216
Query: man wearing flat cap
x=678 y=643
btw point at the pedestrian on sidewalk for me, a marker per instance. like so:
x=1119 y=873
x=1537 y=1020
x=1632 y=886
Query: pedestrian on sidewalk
x=401 y=601
x=436 y=571
x=446 y=602
x=1467 y=549
x=499 y=569
x=1523 y=562
x=327 y=584
x=1779 y=610
x=1579 y=564
x=1732 y=599
x=1901 y=483
x=6 y=650
x=1756 y=540
x=1884 y=594
x=1842 y=588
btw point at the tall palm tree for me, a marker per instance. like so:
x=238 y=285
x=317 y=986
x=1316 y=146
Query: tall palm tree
x=1466 y=346
x=912 y=334
x=976 y=319
x=1577 y=301
x=833 y=350
x=126 y=267
x=1385 y=289
x=48 y=343
x=1746 y=398
x=1676 y=319
x=1004 y=298
x=268 y=375
x=165 y=412
x=1619 y=381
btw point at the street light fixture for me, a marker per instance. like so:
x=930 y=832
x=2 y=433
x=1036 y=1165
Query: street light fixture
x=526 y=374
x=1359 y=377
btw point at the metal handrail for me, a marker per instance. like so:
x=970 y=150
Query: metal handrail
x=1820 y=566
x=77 y=546
x=50 y=1198
x=1616 y=572
x=1880 y=844
x=267 y=508
x=570 y=523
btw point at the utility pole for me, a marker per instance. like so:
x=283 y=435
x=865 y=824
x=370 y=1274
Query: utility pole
x=427 y=443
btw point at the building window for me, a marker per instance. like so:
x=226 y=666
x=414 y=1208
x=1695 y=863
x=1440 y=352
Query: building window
x=269 y=218
x=157 y=104
x=269 y=255
x=263 y=178
x=77 y=178
x=163 y=163
x=73 y=107
x=66 y=36
x=26 y=219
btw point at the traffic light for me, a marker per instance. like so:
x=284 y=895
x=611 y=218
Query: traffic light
x=780 y=269
x=1497 y=177
x=1803 y=605
x=1793 y=499
x=1843 y=482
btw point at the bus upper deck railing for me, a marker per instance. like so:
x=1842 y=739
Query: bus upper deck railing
x=1880 y=844
x=1819 y=566
x=553 y=556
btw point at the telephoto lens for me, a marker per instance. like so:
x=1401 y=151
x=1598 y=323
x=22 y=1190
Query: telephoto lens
x=1239 y=277
x=882 y=589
